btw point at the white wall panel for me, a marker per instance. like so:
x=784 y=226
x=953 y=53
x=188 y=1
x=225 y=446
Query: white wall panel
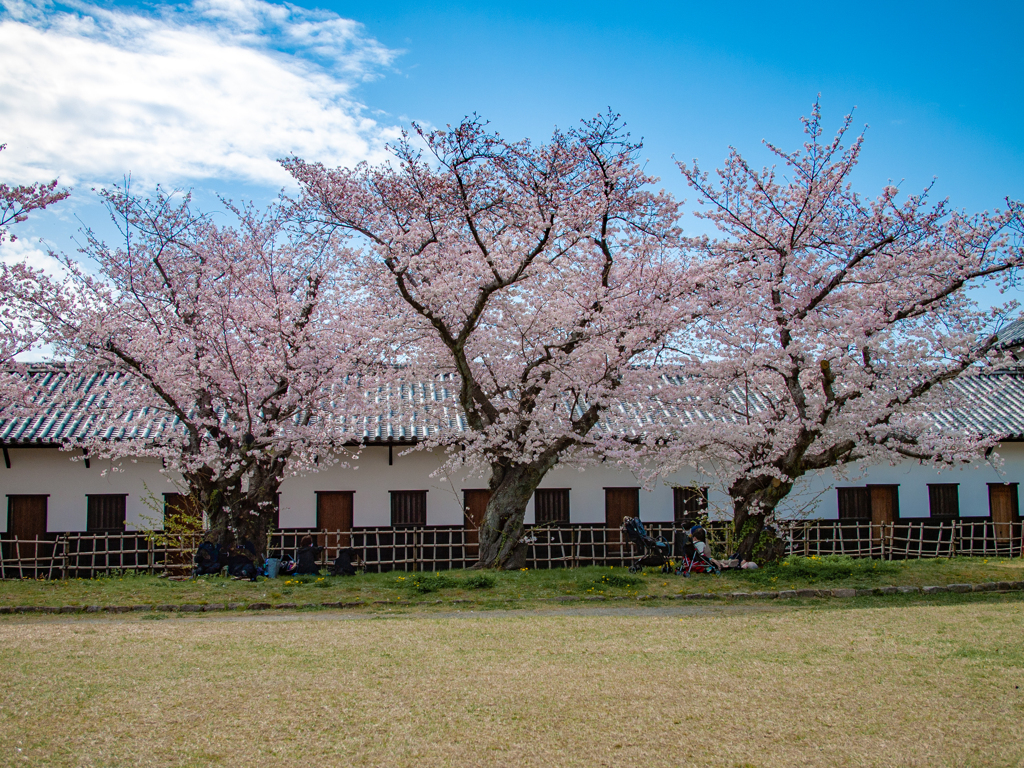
x=53 y=472
x=815 y=495
x=68 y=482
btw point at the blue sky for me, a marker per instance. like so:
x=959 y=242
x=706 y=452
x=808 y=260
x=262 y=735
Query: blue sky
x=940 y=85
x=207 y=94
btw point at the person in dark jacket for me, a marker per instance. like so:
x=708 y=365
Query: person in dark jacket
x=343 y=565
x=307 y=556
x=241 y=558
x=207 y=559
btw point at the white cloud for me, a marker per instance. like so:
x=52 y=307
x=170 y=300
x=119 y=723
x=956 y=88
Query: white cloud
x=216 y=89
x=32 y=253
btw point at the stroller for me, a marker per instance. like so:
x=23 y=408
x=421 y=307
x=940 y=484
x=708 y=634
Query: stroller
x=690 y=560
x=655 y=552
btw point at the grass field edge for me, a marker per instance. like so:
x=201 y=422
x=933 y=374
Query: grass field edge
x=513 y=603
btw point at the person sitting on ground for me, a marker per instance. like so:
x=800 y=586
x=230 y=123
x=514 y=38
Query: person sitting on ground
x=307 y=556
x=343 y=565
x=241 y=558
x=207 y=558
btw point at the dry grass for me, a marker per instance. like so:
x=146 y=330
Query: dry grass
x=917 y=684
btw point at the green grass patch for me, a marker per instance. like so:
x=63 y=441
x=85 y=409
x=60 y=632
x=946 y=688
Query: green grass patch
x=827 y=569
x=619 y=580
x=479 y=581
x=507 y=587
x=429 y=583
x=437 y=582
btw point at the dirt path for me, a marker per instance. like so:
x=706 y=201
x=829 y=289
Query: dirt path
x=705 y=610
x=709 y=610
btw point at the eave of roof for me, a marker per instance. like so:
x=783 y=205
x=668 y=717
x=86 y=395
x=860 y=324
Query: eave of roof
x=78 y=407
